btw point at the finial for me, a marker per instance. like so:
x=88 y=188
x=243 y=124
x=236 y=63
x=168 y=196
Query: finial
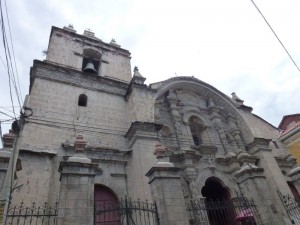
x=79 y=143
x=236 y=98
x=8 y=139
x=135 y=69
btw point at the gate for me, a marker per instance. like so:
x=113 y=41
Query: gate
x=238 y=211
x=291 y=205
x=125 y=212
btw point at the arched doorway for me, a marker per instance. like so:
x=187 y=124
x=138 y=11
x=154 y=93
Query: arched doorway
x=106 y=206
x=218 y=204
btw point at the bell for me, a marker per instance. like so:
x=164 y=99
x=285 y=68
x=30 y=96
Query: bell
x=89 y=68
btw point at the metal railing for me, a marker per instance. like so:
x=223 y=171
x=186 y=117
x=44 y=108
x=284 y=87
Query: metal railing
x=292 y=207
x=238 y=211
x=126 y=212
x=31 y=214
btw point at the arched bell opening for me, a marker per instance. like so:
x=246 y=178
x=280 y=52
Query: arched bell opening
x=91 y=61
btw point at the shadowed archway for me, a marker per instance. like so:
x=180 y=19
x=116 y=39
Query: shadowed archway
x=218 y=204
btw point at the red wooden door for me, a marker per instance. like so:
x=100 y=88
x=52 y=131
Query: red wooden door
x=107 y=208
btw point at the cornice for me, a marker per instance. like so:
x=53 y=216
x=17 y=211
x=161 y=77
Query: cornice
x=58 y=73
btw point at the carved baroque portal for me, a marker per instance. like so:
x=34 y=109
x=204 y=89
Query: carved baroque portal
x=195 y=120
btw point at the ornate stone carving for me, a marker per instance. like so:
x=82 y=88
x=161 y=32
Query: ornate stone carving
x=191 y=99
x=190 y=176
x=210 y=160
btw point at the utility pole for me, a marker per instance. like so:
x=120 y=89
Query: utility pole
x=7 y=190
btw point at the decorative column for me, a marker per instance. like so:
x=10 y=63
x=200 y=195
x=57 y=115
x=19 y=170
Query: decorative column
x=235 y=132
x=254 y=184
x=217 y=122
x=180 y=132
x=166 y=190
x=76 y=197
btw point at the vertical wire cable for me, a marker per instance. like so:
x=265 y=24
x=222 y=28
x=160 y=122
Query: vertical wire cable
x=13 y=51
x=287 y=52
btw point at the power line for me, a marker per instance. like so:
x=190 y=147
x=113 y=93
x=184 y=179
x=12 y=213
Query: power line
x=275 y=35
x=6 y=109
x=7 y=115
x=12 y=47
x=5 y=50
x=9 y=65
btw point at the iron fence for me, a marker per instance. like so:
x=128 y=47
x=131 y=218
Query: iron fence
x=2 y=206
x=126 y=212
x=238 y=211
x=31 y=214
x=292 y=207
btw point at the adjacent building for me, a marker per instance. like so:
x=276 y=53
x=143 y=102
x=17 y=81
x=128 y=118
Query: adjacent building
x=290 y=134
x=93 y=134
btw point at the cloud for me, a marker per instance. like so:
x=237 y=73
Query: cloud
x=224 y=43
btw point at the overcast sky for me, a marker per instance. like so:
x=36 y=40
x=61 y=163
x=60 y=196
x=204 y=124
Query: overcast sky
x=225 y=43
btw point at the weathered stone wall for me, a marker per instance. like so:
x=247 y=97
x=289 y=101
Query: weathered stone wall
x=141 y=105
x=56 y=106
x=67 y=49
x=140 y=162
x=34 y=179
x=58 y=119
x=114 y=177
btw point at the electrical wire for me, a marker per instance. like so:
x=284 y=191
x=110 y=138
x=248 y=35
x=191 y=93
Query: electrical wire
x=275 y=34
x=6 y=109
x=1 y=133
x=145 y=144
x=9 y=66
x=4 y=44
x=12 y=47
x=99 y=130
x=7 y=115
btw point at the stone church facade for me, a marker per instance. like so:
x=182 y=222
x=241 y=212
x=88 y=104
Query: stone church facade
x=95 y=132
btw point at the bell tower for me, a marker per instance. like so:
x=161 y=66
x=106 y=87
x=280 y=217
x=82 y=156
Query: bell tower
x=88 y=54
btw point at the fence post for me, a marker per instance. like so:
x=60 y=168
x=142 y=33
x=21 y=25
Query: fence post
x=126 y=211
x=77 y=179
x=156 y=213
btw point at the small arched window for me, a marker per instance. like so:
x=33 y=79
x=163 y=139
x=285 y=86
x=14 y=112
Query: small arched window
x=82 y=100
x=196 y=128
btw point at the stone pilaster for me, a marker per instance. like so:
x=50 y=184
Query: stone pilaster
x=294 y=174
x=142 y=138
x=166 y=190
x=253 y=184
x=176 y=117
x=76 y=197
x=216 y=118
